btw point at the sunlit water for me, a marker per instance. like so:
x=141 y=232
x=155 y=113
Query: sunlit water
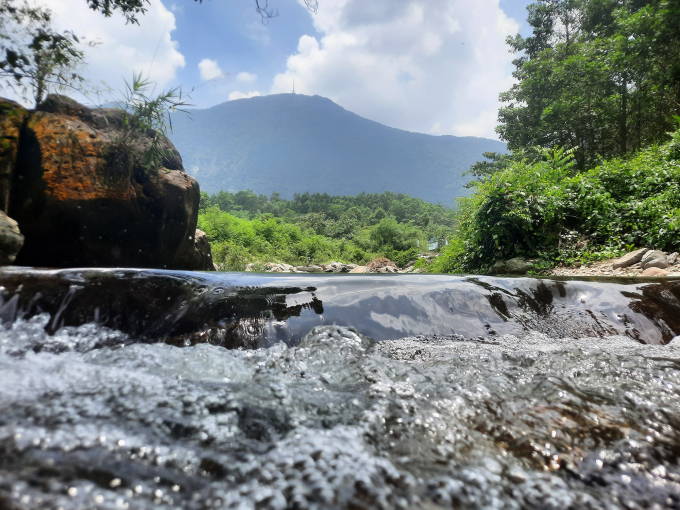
x=91 y=419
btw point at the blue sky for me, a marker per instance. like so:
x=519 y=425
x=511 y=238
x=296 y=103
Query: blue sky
x=432 y=66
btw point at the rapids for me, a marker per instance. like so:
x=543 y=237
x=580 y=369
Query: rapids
x=118 y=390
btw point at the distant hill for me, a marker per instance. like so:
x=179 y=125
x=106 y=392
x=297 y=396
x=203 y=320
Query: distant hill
x=293 y=143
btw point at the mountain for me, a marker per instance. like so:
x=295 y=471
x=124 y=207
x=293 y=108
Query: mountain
x=292 y=143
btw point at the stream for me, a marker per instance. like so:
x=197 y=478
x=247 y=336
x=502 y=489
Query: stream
x=145 y=389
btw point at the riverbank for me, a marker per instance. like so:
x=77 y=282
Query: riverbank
x=631 y=264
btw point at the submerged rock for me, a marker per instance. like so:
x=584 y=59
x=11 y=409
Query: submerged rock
x=83 y=197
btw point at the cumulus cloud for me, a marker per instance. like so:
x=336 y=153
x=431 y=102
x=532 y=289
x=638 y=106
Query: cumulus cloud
x=243 y=95
x=123 y=49
x=246 y=77
x=432 y=66
x=209 y=69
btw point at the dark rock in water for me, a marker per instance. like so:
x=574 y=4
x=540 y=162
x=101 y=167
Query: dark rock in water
x=517 y=265
x=251 y=310
x=11 y=239
x=200 y=257
x=82 y=196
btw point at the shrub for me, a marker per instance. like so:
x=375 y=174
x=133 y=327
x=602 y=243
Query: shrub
x=546 y=210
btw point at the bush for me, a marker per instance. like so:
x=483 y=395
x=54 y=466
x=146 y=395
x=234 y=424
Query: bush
x=546 y=210
x=390 y=235
x=230 y=257
x=401 y=258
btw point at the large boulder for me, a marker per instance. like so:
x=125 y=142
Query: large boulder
x=83 y=197
x=200 y=258
x=517 y=265
x=630 y=258
x=12 y=117
x=654 y=258
x=11 y=239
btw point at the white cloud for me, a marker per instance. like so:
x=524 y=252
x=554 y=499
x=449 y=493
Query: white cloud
x=258 y=32
x=123 y=49
x=243 y=95
x=246 y=77
x=425 y=65
x=209 y=69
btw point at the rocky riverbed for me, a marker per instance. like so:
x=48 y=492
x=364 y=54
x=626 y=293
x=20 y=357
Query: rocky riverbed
x=643 y=262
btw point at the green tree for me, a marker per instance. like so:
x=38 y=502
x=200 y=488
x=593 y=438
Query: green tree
x=602 y=76
x=34 y=58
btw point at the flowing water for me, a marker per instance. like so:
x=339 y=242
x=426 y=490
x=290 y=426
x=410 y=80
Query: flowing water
x=145 y=389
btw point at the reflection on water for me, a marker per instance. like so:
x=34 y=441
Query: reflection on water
x=246 y=310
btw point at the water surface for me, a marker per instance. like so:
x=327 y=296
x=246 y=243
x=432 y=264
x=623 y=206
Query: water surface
x=468 y=401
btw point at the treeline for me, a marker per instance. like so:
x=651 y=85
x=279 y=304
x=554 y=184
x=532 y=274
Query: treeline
x=594 y=168
x=599 y=76
x=337 y=217
x=244 y=228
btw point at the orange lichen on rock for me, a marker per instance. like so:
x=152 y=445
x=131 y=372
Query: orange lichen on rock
x=12 y=116
x=72 y=162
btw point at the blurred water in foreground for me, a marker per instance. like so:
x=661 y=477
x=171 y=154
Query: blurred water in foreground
x=519 y=406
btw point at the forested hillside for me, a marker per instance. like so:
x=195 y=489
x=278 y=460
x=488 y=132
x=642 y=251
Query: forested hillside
x=292 y=143
x=592 y=125
x=318 y=228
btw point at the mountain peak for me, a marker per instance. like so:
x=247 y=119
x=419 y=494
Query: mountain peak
x=292 y=143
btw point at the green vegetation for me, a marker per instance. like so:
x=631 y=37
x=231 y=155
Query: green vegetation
x=551 y=211
x=593 y=171
x=145 y=117
x=600 y=76
x=314 y=228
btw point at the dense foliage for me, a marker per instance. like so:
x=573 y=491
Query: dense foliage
x=551 y=211
x=316 y=228
x=591 y=172
x=602 y=76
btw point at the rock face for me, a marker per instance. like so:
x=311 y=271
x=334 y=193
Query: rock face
x=200 y=258
x=517 y=265
x=11 y=239
x=630 y=258
x=82 y=196
x=654 y=258
x=12 y=117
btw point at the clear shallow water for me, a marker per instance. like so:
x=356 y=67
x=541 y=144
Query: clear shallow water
x=258 y=310
x=91 y=419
